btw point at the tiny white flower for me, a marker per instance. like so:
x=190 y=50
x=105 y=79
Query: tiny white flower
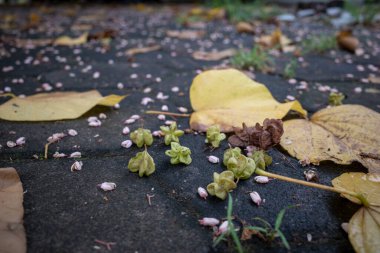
x=76 y=155
x=161 y=117
x=59 y=155
x=126 y=144
x=135 y=117
x=261 y=179
x=165 y=108
x=107 y=186
x=92 y=118
x=213 y=159
x=255 y=196
x=169 y=122
x=146 y=100
x=96 y=75
x=223 y=228
x=202 y=192
x=95 y=123
x=102 y=116
x=20 y=141
x=120 y=86
x=126 y=130
x=129 y=121
x=209 y=222
x=56 y=137
x=72 y=132
x=11 y=144
x=175 y=89
x=157 y=133
x=182 y=109
x=147 y=90
x=77 y=165
x=161 y=96
x=116 y=106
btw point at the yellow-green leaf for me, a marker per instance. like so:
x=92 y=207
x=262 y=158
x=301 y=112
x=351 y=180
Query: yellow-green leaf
x=68 y=41
x=54 y=106
x=341 y=134
x=364 y=226
x=12 y=233
x=228 y=98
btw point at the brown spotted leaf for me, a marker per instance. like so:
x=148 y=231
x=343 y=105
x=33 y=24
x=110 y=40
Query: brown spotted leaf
x=341 y=134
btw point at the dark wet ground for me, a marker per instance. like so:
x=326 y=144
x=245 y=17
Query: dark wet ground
x=66 y=212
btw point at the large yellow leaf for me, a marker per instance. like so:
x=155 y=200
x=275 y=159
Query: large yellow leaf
x=54 y=106
x=12 y=233
x=341 y=134
x=228 y=98
x=364 y=226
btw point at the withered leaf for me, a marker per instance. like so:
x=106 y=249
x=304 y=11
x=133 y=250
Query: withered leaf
x=244 y=27
x=186 y=34
x=347 y=41
x=142 y=50
x=259 y=136
x=12 y=233
x=214 y=56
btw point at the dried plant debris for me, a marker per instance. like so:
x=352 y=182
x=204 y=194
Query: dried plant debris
x=263 y=137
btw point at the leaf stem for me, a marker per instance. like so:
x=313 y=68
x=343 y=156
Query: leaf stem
x=305 y=183
x=186 y=115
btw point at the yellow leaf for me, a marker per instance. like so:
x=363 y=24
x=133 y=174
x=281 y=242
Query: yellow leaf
x=341 y=134
x=186 y=34
x=12 y=233
x=214 y=56
x=277 y=39
x=364 y=226
x=228 y=98
x=54 y=106
x=68 y=41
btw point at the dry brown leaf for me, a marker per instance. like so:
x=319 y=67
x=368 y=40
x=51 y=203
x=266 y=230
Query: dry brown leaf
x=54 y=106
x=374 y=79
x=244 y=27
x=142 y=50
x=12 y=233
x=341 y=134
x=68 y=41
x=228 y=98
x=347 y=41
x=214 y=56
x=364 y=226
x=277 y=39
x=186 y=34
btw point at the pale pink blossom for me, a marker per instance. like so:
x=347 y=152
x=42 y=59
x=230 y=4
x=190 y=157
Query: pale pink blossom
x=255 y=196
x=107 y=186
x=202 y=192
x=77 y=165
x=126 y=144
x=209 y=222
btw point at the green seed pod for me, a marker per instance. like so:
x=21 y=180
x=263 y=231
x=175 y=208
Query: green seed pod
x=171 y=133
x=336 y=98
x=261 y=158
x=229 y=153
x=179 y=154
x=242 y=166
x=223 y=183
x=142 y=137
x=143 y=163
x=214 y=137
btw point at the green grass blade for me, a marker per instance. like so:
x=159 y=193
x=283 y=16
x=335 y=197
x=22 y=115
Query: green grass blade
x=283 y=239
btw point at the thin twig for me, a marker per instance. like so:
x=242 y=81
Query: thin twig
x=186 y=115
x=148 y=197
x=105 y=244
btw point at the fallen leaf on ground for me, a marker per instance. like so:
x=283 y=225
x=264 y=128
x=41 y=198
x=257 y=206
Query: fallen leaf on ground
x=374 y=79
x=68 y=41
x=142 y=50
x=347 y=41
x=12 y=232
x=341 y=134
x=364 y=226
x=54 y=106
x=214 y=56
x=277 y=39
x=372 y=91
x=81 y=27
x=228 y=98
x=244 y=27
x=186 y=34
